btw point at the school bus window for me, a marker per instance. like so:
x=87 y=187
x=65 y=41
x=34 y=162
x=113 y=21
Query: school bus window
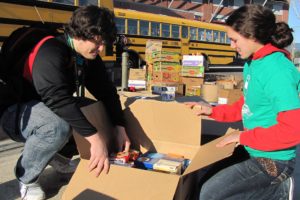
x=120 y=23
x=209 y=35
x=216 y=36
x=175 y=31
x=201 y=34
x=88 y=2
x=222 y=37
x=184 y=32
x=165 y=30
x=144 y=27
x=155 y=29
x=132 y=26
x=193 y=33
x=67 y=2
x=227 y=39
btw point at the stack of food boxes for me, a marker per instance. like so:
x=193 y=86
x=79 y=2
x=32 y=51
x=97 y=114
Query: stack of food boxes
x=163 y=69
x=137 y=78
x=166 y=67
x=192 y=73
x=166 y=73
x=151 y=46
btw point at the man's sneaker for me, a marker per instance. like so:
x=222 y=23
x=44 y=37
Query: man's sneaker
x=31 y=191
x=291 y=188
x=63 y=165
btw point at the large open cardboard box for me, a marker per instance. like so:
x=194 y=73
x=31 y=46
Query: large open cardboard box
x=164 y=127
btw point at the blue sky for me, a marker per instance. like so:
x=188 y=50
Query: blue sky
x=294 y=19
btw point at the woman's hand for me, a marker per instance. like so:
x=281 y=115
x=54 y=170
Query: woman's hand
x=233 y=137
x=200 y=108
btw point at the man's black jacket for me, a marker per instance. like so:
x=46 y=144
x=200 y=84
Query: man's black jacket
x=53 y=76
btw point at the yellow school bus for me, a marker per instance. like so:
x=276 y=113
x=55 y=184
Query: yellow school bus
x=177 y=34
x=134 y=29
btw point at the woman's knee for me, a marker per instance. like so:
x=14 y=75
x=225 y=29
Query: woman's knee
x=206 y=193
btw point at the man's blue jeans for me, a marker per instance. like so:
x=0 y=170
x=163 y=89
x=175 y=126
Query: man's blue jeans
x=43 y=132
x=255 y=178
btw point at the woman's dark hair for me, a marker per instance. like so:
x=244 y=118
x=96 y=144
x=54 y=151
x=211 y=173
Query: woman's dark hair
x=257 y=22
x=90 y=21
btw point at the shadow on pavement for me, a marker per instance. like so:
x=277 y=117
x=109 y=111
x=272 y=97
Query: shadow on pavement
x=51 y=182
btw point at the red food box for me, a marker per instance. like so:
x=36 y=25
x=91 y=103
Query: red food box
x=120 y=158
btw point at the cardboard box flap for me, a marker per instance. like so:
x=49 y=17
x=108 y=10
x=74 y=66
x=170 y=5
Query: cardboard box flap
x=143 y=184
x=165 y=121
x=97 y=116
x=209 y=154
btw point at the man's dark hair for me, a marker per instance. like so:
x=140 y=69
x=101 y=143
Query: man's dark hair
x=90 y=21
x=257 y=22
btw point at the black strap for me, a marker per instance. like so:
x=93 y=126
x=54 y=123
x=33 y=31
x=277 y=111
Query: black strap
x=17 y=127
x=79 y=76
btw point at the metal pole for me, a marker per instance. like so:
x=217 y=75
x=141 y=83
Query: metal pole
x=265 y=3
x=169 y=6
x=125 y=56
x=217 y=10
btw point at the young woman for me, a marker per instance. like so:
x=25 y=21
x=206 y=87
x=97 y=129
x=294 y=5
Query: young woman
x=269 y=109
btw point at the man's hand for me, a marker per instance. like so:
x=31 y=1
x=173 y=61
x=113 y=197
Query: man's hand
x=231 y=138
x=122 y=139
x=99 y=157
x=200 y=108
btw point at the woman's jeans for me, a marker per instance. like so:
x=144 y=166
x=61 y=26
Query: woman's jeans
x=43 y=132
x=255 y=178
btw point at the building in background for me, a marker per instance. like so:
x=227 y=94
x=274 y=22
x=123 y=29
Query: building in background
x=203 y=10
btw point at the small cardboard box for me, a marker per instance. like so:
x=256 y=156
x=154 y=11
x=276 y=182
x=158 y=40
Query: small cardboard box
x=233 y=81
x=192 y=90
x=192 y=71
x=165 y=77
x=167 y=56
x=155 y=126
x=167 y=93
x=226 y=84
x=166 y=66
x=151 y=46
x=192 y=81
x=227 y=96
x=137 y=78
x=192 y=85
x=156 y=89
x=138 y=84
x=137 y=74
x=209 y=92
x=189 y=60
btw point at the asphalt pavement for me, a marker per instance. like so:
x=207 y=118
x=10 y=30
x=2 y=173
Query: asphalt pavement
x=52 y=182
